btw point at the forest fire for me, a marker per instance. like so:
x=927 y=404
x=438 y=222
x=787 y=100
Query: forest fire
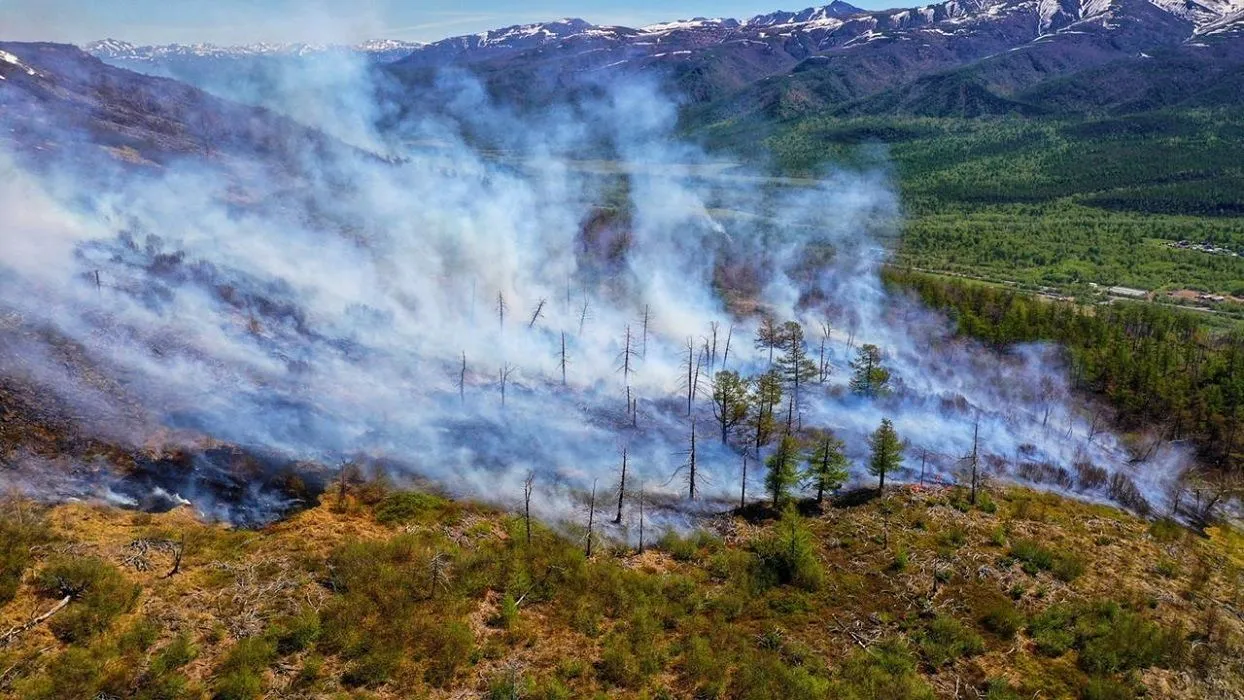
x=474 y=325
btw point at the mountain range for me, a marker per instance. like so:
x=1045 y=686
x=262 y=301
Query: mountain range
x=953 y=58
x=124 y=52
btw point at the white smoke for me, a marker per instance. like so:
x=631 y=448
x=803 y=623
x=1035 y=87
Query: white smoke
x=326 y=316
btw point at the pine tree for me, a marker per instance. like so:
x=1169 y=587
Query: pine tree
x=887 y=452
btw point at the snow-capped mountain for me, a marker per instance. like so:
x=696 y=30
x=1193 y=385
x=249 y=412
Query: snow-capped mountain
x=790 y=62
x=118 y=51
x=954 y=56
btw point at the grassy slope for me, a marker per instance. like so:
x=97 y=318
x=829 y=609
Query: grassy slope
x=1041 y=200
x=899 y=597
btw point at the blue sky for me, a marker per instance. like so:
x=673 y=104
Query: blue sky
x=244 y=21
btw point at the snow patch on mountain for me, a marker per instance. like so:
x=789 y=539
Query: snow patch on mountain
x=114 y=49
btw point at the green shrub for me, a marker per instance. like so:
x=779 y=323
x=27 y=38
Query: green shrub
x=885 y=670
x=409 y=506
x=238 y=685
x=372 y=669
x=1108 y=689
x=297 y=632
x=507 y=613
x=139 y=637
x=945 y=639
x=1033 y=558
x=618 y=663
x=176 y=654
x=985 y=503
x=99 y=594
x=768 y=675
x=1166 y=530
x=448 y=647
x=901 y=559
x=240 y=674
x=704 y=667
x=786 y=555
x=1109 y=638
x=1001 y=690
x=169 y=686
x=1167 y=568
x=690 y=547
x=75 y=673
x=16 y=538
x=1002 y=618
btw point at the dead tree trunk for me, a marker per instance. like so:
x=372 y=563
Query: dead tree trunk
x=462 y=380
x=976 y=429
x=17 y=631
x=691 y=466
x=583 y=314
x=504 y=376
x=644 y=343
x=641 y=518
x=528 y=486
x=177 y=555
x=743 y=483
x=690 y=371
x=621 y=489
x=591 y=520
x=562 y=363
x=535 y=316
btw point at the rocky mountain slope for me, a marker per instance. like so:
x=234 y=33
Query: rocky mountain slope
x=55 y=98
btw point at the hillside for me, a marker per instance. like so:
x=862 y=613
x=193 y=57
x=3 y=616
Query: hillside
x=388 y=594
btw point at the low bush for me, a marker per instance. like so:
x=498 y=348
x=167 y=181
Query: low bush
x=174 y=655
x=945 y=639
x=694 y=546
x=410 y=506
x=1001 y=617
x=17 y=535
x=787 y=556
x=1033 y=558
x=1109 y=638
x=239 y=675
x=885 y=670
x=99 y=593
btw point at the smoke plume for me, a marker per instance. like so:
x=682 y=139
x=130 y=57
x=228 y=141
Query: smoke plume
x=417 y=312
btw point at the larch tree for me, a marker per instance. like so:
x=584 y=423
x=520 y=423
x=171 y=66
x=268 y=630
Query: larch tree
x=783 y=471
x=795 y=367
x=827 y=463
x=870 y=378
x=768 y=337
x=731 y=401
x=766 y=396
x=887 y=452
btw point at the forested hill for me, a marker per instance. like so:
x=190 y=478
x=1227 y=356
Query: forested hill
x=1158 y=369
x=1046 y=201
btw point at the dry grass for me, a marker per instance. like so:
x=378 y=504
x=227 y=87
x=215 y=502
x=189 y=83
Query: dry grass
x=892 y=565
